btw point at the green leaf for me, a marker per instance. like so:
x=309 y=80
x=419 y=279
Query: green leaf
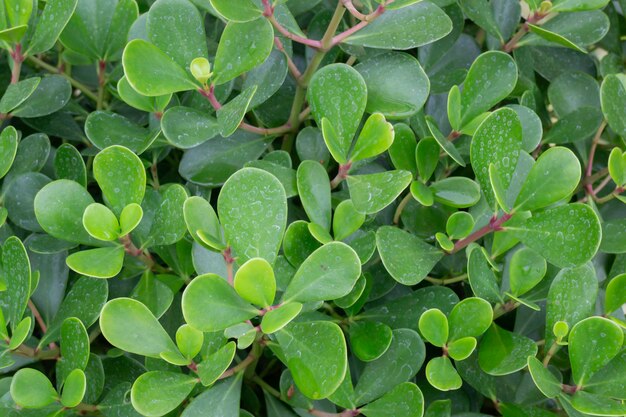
x=471 y=317
x=277 y=318
x=617 y=166
x=553 y=177
x=98 y=263
x=152 y=72
x=210 y=304
x=16 y=94
x=74 y=347
x=481 y=13
x=129 y=325
x=611 y=379
x=314 y=192
x=403 y=148
x=459 y=225
x=613 y=98
x=406 y=28
x=375 y=138
x=69 y=164
x=461 y=349
x=577 y=5
x=526 y=269
x=457 y=192
x=168 y=224
x=338 y=93
x=237 y=10
x=253 y=209
x=571 y=298
x=18 y=12
x=615 y=294
x=445 y=144
x=497 y=141
x=613 y=236
x=177 y=28
x=9 y=140
x=50 y=24
x=502 y=352
x=441 y=374
x=74 y=388
x=153 y=293
x=427 y=157
x=130 y=218
x=346 y=220
x=230 y=116
x=481 y=92
x=186 y=127
x=571 y=30
x=32 y=389
x=369 y=340
x=328 y=273
x=371 y=193
x=316 y=355
x=138 y=100
x=396 y=84
x=595 y=404
x=157 y=393
x=189 y=340
x=544 y=380
x=439 y=408
x=210 y=369
x=20 y=333
x=433 y=325
x=51 y=95
x=566 y=236
x=593 y=342
x=121 y=177
x=405 y=400
x=221 y=400
x=16 y=271
x=243 y=46
x=398 y=364
x=106 y=129
x=101 y=223
x=407 y=258
x=255 y=282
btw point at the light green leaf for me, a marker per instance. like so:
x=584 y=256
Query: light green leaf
x=9 y=140
x=243 y=46
x=375 y=138
x=101 y=223
x=130 y=218
x=457 y=192
x=497 y=141
x=406 y=28
x=617 y=166
x=186 y=127
x=553 y=177
x=526 y=269
x=168 y=225
x=346 y=220
x=50 y=24
x=32 y=389
x=405 y=400
x=471 y=317
x=441 y=374
x=129 y=325
x=210 y=369
x=433 y=325
x=156 y=393
x=74 y=388
x=577 y=5
x=397 y=86
x=138 y=100
x=369 y=340
x=338 y=93
x=459 y=225
x=613 y=98
x=232 y=113
x=74 y=347
x=237 y=10
x=255 y=282
x=593 y=342
x=502 y=352
x=316 y=355
x=328 y=273
x=407 y=258
x=277 y=318
x=210 y=304
x=481 y=92
x=371 y=193
x=19 y=335
x=615 y=293
x=16 y=94
x=121 y=177
x=152 y=73
x=98 y=263
x=566 y=236
x=462 y=348
x=597 y=404
x=314 y=192
x=613 y=232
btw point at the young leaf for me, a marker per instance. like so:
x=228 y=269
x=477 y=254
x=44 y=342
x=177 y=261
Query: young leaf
x=462 y=348
x=74 y=388
x=369 y=339
x=407 y=258
x=314 y=192
x=98 y=263
x=130 y=218
x=156 y=393
x=526 y=269
x=210 y=369
x=316 y=355
x=209 y=304
x=137 y=100
x=338 y=93
x=243 y=46
x=471 y=317
x=74 y=347
x=328 y=273
x=255 y=282
x=101 y=223
x=459 y=225
x=433 y=325
x=371 y=193
x=346 y=220
x=20 y=333
x=375 y=138
x=129 y=325
x=457 y=192
x=253 y=209
x=32 y=389
x=276 y=319
x=441 y=374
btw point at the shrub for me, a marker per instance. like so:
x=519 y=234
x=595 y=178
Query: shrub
x=224 y=208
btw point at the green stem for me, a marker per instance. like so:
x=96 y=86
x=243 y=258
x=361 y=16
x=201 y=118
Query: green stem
x=446 y=281
x=502 y=309
x=553 y=349
x=407 y=198
x=267 y=387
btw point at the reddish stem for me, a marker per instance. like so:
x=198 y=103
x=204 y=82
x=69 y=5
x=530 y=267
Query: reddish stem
x=18 y=58
x=592 y=153
x=268 y=12
x=495 y=224
x=342 y=174
x=228 y=258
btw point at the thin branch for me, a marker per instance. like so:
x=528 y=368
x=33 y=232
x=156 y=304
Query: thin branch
x=54 y=70
x=446 y=281
x=295 y=72
x=239 y=367
x=369 y=19
x=592 y=153
x=495 y=224
x=268 y=12
x=18 y=58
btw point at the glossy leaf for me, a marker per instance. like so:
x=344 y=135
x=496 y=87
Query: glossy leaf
x=441 y=374
x=433 y=325
x=314 y=192
x=32 y=389
x=502 y=352
x=255 y=282
x=156 y=393
x=369 y=339
x=613 y=92
x=98 y=263
x=371 y=193
x=375 y=138
x=471 y=317
x=405 y=400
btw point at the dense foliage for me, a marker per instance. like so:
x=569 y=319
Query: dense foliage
x=224 y=208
